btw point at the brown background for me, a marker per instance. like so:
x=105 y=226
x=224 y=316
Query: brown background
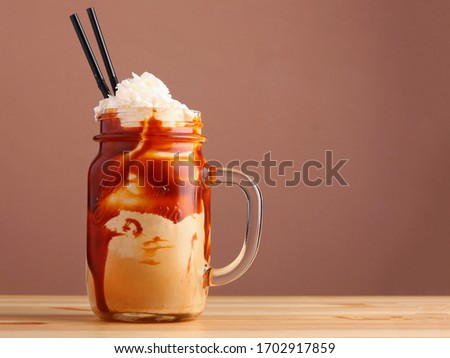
x=368 y=79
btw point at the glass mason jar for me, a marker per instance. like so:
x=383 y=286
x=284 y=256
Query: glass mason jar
x=148 y=225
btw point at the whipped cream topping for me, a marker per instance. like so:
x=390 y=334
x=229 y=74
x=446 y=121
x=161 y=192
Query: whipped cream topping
x=140 y=97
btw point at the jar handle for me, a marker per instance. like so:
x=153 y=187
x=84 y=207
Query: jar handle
x=231 y=272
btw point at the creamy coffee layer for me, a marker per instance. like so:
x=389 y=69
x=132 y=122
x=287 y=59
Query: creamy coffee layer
x=154 y=265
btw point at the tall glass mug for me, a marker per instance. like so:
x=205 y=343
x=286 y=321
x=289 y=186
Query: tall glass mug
x=148 y=225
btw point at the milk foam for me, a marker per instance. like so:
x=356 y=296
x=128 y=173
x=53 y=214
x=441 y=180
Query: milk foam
x=140 y=97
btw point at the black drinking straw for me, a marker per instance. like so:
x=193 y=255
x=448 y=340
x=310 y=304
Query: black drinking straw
x=89 y=55
x=103 y=49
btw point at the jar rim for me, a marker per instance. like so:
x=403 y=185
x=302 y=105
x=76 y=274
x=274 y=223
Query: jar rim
x=134 y=109
x=106 y=114
x=170 y=117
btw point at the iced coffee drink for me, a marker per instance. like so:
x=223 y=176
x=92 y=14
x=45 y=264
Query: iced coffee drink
x=148 y=232
x=149 y=189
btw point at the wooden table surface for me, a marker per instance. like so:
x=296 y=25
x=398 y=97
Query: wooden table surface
x=70 y=316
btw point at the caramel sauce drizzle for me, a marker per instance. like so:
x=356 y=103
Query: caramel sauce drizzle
x=170 y=201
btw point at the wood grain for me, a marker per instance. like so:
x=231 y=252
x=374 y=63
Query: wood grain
x=70 y=316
